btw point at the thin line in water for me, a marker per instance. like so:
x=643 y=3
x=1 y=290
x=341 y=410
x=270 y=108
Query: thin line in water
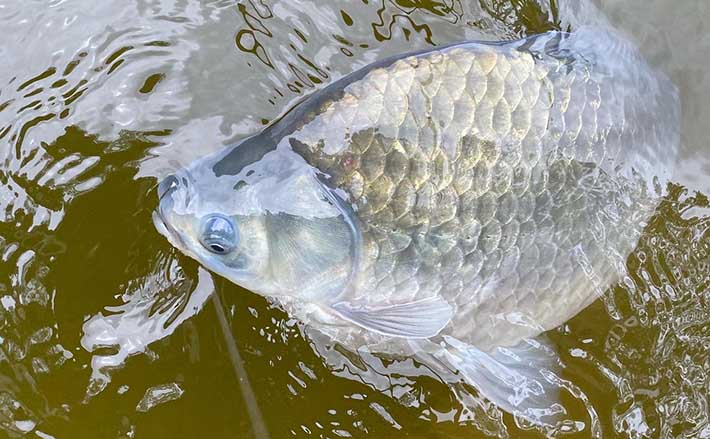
x=257 y=420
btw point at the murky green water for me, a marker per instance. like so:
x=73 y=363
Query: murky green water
x=107 y=331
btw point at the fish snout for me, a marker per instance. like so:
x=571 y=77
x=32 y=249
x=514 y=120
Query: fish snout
x=173 y=192
x=164 y=217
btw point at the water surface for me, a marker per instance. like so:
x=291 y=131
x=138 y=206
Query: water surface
x=107 y=331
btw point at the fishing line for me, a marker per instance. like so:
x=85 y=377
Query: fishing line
x=257 y=420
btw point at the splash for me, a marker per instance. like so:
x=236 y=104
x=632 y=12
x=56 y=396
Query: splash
x=154 y=307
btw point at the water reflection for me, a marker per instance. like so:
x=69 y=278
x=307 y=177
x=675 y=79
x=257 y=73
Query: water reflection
x=97 y=100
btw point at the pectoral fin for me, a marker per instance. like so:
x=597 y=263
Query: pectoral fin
x=420 y=319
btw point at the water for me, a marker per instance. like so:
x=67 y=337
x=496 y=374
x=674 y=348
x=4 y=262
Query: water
x=107 y=331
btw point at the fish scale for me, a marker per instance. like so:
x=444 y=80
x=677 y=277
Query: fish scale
x=478 y=173
x=476 y=194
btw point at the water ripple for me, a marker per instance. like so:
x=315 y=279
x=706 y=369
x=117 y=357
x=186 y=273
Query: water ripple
x=99 y=317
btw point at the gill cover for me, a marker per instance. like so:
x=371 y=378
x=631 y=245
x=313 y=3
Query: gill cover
x=311 y=232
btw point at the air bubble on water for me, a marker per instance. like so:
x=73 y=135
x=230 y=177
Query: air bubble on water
x=579 y=353
x=123 y=389
x=8 y=302
x=25 y=426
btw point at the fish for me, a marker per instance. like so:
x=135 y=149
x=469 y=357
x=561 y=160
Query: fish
x=453 y=203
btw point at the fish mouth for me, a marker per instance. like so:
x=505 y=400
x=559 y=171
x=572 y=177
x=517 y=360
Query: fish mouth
x=168 y=231
x=162 y=225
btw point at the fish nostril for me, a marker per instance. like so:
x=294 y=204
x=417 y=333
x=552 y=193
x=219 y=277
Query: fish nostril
x=166 y=185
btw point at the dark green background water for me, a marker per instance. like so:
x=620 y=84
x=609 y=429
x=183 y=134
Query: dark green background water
x=98 y=101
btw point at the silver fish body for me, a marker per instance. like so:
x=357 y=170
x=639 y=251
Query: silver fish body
x=510 y=179
x=480 y=192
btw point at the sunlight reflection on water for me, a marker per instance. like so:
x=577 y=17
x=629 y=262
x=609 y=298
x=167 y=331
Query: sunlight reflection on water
x=96 y=101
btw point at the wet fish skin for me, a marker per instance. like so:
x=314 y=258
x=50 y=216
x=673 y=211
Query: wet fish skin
x=511 y=179
x=506 y=180
x=450 y=205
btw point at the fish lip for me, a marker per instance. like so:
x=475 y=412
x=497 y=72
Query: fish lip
x=161 y=224
x=168 y=231
x=159 y=218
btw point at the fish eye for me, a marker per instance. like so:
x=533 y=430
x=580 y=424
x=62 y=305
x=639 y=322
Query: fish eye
x=219 y=234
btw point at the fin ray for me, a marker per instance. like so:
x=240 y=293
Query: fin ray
x=517 y=379
x=420 y=319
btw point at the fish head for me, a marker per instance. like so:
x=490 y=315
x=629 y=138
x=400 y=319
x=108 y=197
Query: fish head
x=227 y=241
x=268 y=223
